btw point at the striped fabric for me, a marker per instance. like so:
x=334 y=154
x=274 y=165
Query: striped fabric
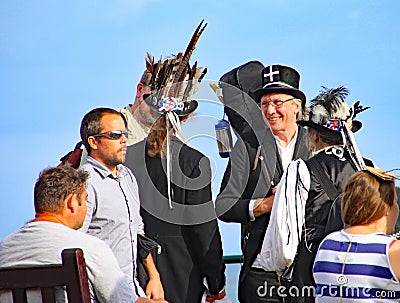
x=355 y=268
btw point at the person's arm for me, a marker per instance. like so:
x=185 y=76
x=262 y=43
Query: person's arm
x=91 y=207
x=263 y=205
x=234 y=202
x=204 y=239
x=394 y=258
x=107 y=280
x=154 y=288
x=206 y=247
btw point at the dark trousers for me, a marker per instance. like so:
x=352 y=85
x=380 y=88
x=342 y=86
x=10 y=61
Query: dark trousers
x=259 y=286
x=303 y=284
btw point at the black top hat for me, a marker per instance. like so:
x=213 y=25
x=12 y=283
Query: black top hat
x=329 y=110
x=280 y=79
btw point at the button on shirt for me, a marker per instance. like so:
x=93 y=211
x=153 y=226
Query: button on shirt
x=113 y=213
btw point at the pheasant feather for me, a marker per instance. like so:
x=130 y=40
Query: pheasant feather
x=173 y=76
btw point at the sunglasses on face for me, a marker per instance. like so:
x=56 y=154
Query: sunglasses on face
x=114 y=134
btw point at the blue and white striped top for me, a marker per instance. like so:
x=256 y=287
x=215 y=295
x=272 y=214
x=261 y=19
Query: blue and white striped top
x=355 y=268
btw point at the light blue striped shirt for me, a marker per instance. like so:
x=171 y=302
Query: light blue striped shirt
x=113 y=212
x=355 y=268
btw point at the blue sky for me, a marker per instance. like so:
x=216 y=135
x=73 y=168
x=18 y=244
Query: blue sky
x=59 y=59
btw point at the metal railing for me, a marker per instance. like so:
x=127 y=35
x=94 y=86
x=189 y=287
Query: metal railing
x=232 y=259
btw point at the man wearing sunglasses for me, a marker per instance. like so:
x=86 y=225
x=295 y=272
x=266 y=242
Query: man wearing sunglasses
x=255 y=168
x=138 y=116
x=113 y=199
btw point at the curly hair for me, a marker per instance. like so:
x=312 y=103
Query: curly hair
x=156 y=138
x=158 y=133
x=55 y=184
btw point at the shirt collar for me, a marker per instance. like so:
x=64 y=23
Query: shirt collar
x=104 y=171
x=291 y=143
x=336 y=150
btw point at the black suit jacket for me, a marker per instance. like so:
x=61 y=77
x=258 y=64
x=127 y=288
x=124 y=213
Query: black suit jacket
x=188 y=232
x=254 y=167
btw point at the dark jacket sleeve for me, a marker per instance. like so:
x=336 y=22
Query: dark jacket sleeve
x=204 y=239
x=238 y=185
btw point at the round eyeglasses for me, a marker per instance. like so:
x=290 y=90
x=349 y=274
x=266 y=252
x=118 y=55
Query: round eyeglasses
x=275 y=103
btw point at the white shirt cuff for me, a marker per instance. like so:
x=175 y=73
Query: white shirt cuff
x=251 y=209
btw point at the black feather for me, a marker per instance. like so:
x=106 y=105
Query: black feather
x=332 y=99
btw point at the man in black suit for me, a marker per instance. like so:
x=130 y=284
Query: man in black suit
x=255 y=168
x=176 y=203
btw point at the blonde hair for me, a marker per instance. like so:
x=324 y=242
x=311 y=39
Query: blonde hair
x=366 y=198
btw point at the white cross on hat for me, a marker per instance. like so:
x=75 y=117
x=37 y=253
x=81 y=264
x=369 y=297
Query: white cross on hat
x=271 y=74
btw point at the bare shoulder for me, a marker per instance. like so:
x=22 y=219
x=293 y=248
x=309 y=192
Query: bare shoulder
x=395 y=247
x=394 y=257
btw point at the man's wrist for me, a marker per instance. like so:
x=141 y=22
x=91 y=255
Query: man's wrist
x=153 y=274
x=220 y=296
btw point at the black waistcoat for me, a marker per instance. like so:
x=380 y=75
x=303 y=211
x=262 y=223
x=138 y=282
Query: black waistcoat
x=336 y=165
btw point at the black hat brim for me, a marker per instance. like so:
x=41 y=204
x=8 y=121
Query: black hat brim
x=189 y=108
x=279 y=89
x=356 y=126
x=335 y=135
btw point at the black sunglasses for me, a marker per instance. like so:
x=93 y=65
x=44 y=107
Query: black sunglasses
x=114 y=134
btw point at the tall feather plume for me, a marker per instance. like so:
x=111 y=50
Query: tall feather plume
x=188 y=52
x=165 y=81
x=181 y=72
x=173 y=76
x=330 y=104
x=202 y=74
x=151 y=68
x=358 y=108
x=150 y=63
x=197 y=77
x=189 y=80
x=173 y=66
x=155 y=70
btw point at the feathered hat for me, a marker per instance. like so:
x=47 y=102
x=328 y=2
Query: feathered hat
x=329 y=110
x=173 y=81
x=173 y=84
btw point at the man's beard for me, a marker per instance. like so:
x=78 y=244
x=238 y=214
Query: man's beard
x=146 y=114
